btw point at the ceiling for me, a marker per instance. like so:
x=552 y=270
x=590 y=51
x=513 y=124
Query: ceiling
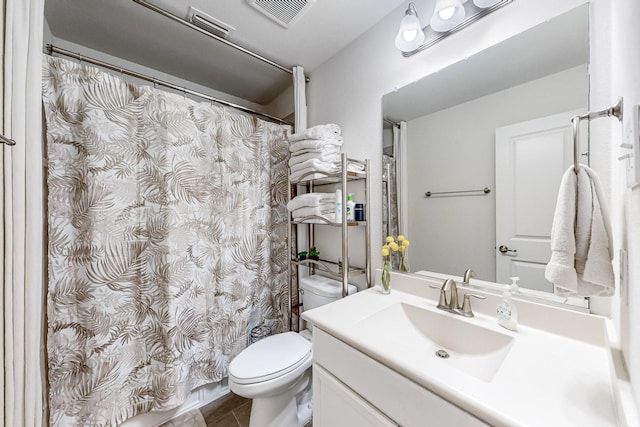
x=135 y=33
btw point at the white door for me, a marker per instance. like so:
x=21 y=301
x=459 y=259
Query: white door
x=531 y=158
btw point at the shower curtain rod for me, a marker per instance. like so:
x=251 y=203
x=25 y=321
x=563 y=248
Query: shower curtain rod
x=54 y=49
x=213 y=36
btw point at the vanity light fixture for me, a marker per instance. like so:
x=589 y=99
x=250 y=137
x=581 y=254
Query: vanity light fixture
x=410 y=35
x=448 y=17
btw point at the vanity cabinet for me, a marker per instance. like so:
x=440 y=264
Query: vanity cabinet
x=350 y=172
x=344 y=379
x=335 y=404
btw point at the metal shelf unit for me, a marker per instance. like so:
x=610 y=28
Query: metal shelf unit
x=328 y=268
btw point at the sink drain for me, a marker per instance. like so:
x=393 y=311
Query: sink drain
x=442 y=354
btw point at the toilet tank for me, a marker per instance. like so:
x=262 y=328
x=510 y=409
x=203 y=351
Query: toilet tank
x=319 y=290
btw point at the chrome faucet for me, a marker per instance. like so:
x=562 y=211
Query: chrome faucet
x=451 y=304
x=468 y=274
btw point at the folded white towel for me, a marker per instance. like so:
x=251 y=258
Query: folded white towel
x=324 y=209
x=317 y=132
x=327 y=150
x=325 y=168
x=317 y=164
x=315 y=144
x=322 y=156
x=581 y=245
x=355 y=167
x=310 y=200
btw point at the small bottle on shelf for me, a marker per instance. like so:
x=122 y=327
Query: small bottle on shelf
x=351 y=208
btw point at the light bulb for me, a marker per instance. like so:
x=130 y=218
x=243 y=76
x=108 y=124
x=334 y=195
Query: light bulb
x=447 y=15
x=409 y=35
x=447 y=12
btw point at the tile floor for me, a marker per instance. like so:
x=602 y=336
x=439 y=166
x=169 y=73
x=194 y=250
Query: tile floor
x=229 y=411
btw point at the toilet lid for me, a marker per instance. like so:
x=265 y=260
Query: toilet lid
x=269 y=358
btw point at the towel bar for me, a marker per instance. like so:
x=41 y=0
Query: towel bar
x=615 y=111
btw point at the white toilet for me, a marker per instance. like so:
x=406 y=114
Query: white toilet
x=276 y=371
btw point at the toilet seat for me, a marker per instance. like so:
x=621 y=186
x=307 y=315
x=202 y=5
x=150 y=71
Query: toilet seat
x=270 y=358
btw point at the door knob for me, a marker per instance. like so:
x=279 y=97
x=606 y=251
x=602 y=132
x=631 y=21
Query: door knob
x=505 y=249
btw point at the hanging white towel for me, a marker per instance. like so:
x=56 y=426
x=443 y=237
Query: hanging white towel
x=581 y=245
x=327 y=131
x=310 y=200
x=315 y=144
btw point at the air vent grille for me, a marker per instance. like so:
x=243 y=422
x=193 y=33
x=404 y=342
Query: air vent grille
x=284 y=12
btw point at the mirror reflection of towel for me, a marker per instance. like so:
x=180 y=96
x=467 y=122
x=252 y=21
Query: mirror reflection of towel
x=581 y=243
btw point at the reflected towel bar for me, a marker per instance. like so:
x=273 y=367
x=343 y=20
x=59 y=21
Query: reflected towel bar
x=615 y=111
x=485 y=190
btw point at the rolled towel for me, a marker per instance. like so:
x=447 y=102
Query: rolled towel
x=324 y=168
x=319 y=155
x=315 y=164
x=327 y=131
x=324 y=209
x=315 y=144
x=310 y=200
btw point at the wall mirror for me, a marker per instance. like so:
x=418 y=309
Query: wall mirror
x=498 y=120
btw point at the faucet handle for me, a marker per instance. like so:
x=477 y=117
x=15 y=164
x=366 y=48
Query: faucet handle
x=466 y=304
x=442 y=302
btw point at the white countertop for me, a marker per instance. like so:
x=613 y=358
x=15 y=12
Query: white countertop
x=557 y=371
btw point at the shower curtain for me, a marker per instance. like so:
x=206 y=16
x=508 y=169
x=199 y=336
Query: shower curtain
x=167 y=242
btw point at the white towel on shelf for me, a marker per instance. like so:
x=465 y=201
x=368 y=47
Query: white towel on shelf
x=315 y=144
x=355 y=166
x=581 y=244
x=310 y=200
x=327 y=150
x=323 y=156
x=327 y=131
x=325 y=168
x=316 y=164
x=323 y=209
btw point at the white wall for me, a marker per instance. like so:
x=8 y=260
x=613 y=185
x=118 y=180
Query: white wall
x=348 y=89
x=451 y=234
x=625 y=82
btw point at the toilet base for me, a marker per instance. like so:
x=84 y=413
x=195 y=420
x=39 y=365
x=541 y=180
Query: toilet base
x=284 y=410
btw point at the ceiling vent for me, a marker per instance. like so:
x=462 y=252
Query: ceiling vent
x=209 y=23
x=284 y=12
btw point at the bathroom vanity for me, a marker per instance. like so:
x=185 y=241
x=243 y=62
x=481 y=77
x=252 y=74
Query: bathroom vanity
x=389 y=360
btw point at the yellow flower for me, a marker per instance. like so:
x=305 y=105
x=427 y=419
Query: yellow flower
x=385 y=247
x=402 y=249
x=389 y=239
x=405 y=243
x=385 y=251
x=394 y=246
x=400 y=238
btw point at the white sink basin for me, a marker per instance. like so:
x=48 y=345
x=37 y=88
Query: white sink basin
x=471 y=348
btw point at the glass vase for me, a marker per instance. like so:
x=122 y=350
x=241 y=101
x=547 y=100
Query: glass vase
x=404 y=264
x=386 y=278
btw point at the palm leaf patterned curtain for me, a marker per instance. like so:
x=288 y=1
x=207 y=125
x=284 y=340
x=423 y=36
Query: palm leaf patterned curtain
x=167 y=242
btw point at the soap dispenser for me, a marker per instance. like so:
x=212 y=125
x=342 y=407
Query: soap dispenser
x=507 y=310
